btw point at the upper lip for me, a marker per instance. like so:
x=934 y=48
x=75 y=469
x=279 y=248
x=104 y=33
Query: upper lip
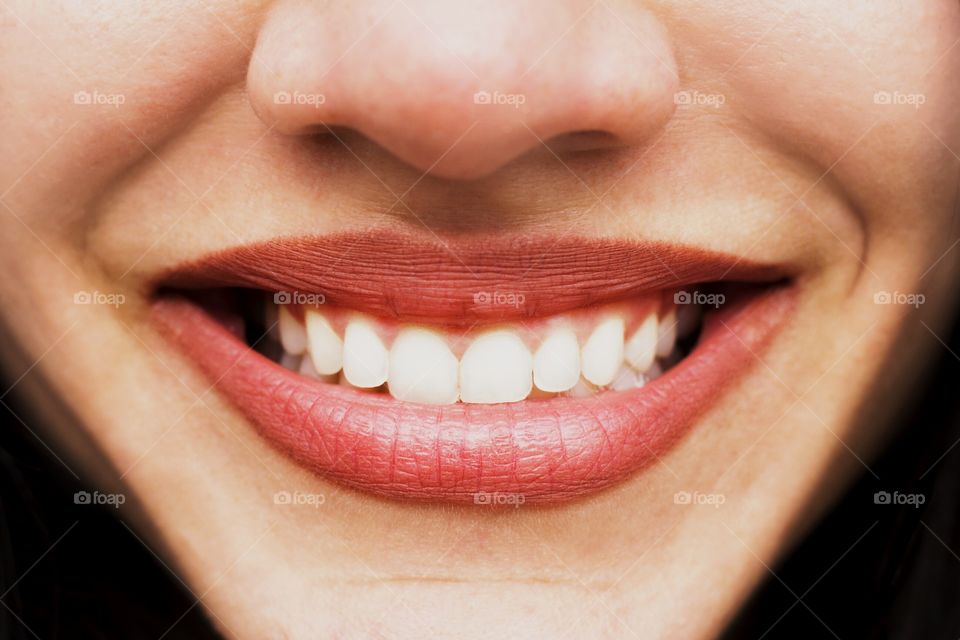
x=402 y=276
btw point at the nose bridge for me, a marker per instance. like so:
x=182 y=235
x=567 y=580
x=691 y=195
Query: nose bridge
x=460 y=89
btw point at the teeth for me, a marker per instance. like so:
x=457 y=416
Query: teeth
x=326 y=348
x=652 y=373
x=365 y=359
x=603 y=352
x=556 y=364
x=422 y=368
x=667 y=333
x=497 y=367
x=290 y=361
x=341 y=380
x=540 y=394
x=307 y=369
x=582 y=389
x=292 y=334
x=627 y=378
x=641 y=348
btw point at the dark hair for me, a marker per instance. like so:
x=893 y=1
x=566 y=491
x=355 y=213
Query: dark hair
x=880 y=565
x=871 y=569
x=70 y=570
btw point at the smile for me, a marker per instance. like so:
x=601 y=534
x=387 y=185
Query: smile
x=541 y=368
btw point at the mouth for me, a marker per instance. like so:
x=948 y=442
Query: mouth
x=484 y=371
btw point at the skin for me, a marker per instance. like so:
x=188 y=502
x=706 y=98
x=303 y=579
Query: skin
x=799 y=166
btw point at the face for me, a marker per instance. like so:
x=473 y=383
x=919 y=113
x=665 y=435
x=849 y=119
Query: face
x=419 y=318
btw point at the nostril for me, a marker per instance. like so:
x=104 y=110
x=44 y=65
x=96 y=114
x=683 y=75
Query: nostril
x=331 y=131
x=585 y=140
x=595 y=90
x=337 y=141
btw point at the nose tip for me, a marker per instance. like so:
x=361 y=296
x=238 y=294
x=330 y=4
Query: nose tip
x=459 y=93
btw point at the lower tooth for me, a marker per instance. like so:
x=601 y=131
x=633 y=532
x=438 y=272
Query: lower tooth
x=653 y=373
x=582 y=389
x=307 y=368
x=290 y=361
x=539 y=394
x=626 y=379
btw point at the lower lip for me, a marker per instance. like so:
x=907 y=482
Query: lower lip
x=535 y=451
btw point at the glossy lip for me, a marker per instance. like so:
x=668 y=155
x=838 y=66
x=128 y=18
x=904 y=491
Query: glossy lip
x=544 y=450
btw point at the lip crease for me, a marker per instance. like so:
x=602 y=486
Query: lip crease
x=546 y=451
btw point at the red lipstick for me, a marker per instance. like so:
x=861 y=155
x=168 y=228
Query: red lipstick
x=401 y=276
x=541 y=451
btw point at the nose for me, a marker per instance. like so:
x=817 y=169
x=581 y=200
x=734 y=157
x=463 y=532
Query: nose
x=459 y=89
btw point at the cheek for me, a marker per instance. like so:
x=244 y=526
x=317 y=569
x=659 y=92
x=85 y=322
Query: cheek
x=868 y=92
x=99 y=90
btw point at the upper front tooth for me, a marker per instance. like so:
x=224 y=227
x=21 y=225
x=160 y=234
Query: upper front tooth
x=556 y=364
x=326 y=348
x=667 y=333
x=307 y=369
x=422 y=368
x=497 y=367
x=603 y=352
x=365 y=359
x=641 y=348
x=292 y=335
